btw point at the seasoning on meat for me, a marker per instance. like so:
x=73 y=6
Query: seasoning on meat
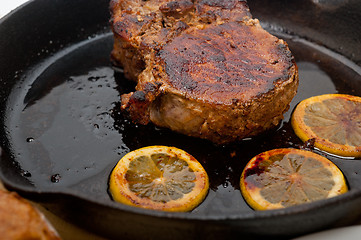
x=204 y=68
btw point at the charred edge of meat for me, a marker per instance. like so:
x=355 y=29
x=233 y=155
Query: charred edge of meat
x=137 y=103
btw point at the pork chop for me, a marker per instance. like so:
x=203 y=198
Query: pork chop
x=204 y=68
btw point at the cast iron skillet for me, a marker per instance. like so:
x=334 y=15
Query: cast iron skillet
x=61 y=132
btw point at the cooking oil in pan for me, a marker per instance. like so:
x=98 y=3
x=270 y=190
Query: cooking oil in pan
x=66 y=130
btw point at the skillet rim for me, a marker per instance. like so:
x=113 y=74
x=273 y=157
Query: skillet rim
x=44 y=196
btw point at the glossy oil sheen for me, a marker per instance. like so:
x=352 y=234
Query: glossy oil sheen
x=66 y=129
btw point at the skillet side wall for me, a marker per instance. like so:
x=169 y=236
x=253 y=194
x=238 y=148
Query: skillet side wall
x=334 y=24
x=33 y=33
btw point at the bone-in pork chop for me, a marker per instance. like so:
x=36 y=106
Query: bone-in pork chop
x=204 y=68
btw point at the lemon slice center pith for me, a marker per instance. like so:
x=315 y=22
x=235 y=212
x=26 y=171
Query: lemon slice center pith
x=164 y=177
x=292 y=179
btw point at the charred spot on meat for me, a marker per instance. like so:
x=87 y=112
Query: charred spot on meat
x=204 y=68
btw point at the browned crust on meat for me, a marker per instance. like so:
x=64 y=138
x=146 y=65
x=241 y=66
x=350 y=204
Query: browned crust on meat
x=225 y=63
x=141 y=26
x=222 y=11
x=203 y=68
x=225 y=123
x=20 y=220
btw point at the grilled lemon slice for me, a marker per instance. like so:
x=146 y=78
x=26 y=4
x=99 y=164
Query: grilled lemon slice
x=160 y=178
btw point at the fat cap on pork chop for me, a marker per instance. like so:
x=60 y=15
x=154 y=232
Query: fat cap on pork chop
x=203 y=68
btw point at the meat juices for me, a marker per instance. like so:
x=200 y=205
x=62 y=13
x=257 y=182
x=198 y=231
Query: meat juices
x=204 y=68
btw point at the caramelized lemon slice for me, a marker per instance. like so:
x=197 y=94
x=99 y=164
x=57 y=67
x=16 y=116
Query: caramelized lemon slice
x=333 y=120
x=160 y=178
x=285 y=177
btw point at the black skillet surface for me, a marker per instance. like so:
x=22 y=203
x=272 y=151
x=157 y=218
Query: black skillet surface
x=61 y=132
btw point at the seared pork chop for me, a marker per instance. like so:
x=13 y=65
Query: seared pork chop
x=204 y=68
